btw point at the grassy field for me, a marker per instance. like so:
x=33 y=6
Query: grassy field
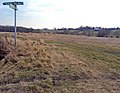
x=49 y=63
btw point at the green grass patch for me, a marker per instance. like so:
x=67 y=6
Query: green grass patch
x=94 y=54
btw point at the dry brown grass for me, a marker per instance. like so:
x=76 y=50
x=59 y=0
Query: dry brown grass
x=72 y=38
x=47 y=63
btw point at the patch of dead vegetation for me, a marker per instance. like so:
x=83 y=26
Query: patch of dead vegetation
x=4 y=48
x=37 y=67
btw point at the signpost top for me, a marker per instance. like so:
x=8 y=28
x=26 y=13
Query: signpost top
x=14 y=3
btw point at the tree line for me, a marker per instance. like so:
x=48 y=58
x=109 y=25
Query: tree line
x=82 y=30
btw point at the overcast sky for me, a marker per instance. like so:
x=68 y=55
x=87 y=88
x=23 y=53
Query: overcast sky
x=63 y=13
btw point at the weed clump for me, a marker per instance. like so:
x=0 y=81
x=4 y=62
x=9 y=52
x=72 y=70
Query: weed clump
x=4 y=47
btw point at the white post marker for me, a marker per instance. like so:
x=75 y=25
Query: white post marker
x=13 y=5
